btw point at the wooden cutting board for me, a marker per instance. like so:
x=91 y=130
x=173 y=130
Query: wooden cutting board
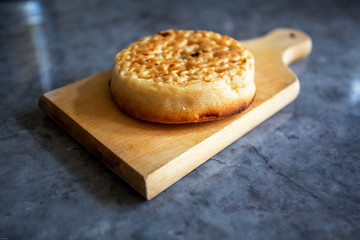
x=150 y=157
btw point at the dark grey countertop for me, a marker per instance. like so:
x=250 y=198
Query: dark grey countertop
x=296 y=176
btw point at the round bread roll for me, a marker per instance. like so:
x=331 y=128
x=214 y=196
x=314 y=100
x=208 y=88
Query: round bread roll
x=179 y=76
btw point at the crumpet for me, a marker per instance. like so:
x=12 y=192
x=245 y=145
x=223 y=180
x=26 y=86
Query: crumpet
x=179 y=76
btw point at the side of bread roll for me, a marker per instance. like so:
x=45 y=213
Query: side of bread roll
x=179 y=76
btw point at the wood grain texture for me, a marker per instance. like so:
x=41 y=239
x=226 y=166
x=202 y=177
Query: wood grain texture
x=149 y=156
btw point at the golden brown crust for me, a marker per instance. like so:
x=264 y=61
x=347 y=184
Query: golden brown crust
x=182 y=58
x=179 y=76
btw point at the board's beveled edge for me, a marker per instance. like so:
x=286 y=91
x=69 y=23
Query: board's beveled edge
x=107 y=157
x=154 y=182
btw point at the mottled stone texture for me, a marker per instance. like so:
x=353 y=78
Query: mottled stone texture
x=296 y=176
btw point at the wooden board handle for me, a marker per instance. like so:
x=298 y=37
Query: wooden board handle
x=289 y=44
